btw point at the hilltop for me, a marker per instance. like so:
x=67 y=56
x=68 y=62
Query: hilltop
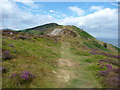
x=57 y=56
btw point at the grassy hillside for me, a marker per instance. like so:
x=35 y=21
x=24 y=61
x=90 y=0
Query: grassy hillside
x=42 y=61
x=40 y=30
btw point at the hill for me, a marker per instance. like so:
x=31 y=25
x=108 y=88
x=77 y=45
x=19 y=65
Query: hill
x=57 y=56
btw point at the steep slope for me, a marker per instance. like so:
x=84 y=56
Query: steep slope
x=64 y=56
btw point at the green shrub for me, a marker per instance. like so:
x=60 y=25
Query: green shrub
x=105 y=45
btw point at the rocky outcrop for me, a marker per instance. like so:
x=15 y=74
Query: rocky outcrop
x=61 y=31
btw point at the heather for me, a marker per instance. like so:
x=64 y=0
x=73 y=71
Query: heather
x=110 y=74
x=96 y=51
x=21 y=78
x=32 y=58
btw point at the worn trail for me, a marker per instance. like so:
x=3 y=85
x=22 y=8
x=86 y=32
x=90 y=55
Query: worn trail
x=71 y=73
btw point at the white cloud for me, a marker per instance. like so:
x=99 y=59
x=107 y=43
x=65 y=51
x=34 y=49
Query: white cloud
x=15 y=18
x=51 y=11
x=24 y=1
x=103 y=23
x=56 y=14
x=77 y=10
x=115 y=4
x=30 y=3
x=96 y=8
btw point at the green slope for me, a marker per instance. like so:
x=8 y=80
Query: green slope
x=41 y=29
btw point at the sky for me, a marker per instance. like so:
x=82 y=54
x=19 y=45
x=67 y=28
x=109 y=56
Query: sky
x=100 y=19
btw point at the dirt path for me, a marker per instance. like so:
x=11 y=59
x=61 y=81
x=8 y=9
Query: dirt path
x=71 y=73
x=65 y=65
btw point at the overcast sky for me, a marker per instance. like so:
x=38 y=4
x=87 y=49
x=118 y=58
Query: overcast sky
x=99 y=19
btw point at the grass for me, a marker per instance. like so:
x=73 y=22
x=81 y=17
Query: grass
x=40 y=56
x=95 y=45
x=118 y=49
x=82 y=76
x=90 y=60
x=82 y=33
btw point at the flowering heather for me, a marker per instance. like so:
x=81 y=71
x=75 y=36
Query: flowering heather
x=27 y=75
x=94 y=52
x=103 y=73
x=114 y=62
x=14 y=75
x=21 y=78
x=110 y=75
x=55 y=41
x=112 y=81
x=3 y=43
x=116 y=70
x=100 y=61
x=109 y=66
x=21 y=37
x=11 y=45
x=14 y=38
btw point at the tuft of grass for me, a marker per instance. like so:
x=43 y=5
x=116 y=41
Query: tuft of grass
x=90 y=60
x=99 y=57
x=82 y=53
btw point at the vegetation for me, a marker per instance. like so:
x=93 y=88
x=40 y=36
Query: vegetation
x=105 y=45
x=34 y=59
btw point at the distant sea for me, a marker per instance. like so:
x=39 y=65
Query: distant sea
x=111 y=41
